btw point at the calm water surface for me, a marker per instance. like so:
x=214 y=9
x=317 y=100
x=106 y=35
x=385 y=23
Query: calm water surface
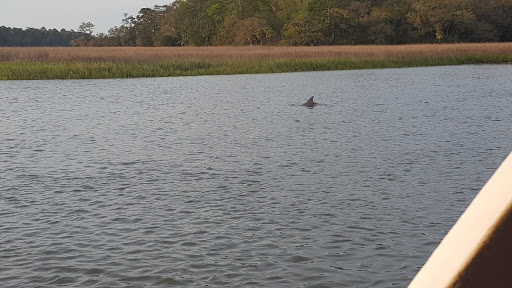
x=225 y=181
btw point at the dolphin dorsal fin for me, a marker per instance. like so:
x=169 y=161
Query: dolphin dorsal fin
x=310 y=102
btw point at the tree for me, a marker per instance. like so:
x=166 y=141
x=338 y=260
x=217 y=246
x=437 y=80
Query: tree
x=79 y=42
x=86 y=28
x=147 y=25
x=250 y=31
x=304 y=29
x=193 y=24
x=126 y=32
x=168 y=36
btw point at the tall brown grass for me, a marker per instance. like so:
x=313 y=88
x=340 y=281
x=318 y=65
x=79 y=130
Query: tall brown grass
x=156 y=54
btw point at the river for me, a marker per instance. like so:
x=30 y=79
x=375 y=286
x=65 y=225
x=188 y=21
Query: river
x=226 y=181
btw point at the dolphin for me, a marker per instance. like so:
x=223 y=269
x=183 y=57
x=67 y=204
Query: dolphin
x=310 y=102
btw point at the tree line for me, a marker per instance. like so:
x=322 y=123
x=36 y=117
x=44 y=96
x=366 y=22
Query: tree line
x=18 y=37
x=309 y=22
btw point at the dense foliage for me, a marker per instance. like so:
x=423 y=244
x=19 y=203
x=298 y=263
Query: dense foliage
x=311 y=22
x=314 y=22
x=36 y=37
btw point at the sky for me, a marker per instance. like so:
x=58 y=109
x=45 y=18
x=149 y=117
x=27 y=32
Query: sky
x=68 y=14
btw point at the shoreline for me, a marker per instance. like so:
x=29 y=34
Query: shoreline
x=45 y=63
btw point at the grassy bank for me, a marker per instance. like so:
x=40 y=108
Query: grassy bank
x=90 y=63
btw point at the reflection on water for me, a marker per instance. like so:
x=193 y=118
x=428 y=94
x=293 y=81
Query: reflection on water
x=227 y=181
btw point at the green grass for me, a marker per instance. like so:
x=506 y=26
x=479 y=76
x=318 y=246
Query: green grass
x=27 y=70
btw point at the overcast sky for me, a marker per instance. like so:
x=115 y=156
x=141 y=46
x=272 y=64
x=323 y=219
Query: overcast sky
x=68 y=14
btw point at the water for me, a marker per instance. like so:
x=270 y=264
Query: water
x=225 y=181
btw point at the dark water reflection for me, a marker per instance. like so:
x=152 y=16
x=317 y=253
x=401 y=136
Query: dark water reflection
x=227 y=181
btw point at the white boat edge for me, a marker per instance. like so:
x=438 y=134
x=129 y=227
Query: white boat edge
x=471 y=250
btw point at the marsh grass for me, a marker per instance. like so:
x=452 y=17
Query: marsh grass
x=129 y=62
